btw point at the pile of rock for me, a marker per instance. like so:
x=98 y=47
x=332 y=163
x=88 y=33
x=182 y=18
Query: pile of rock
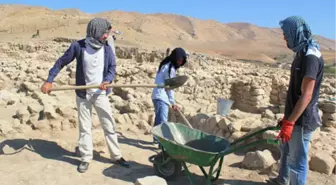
x=251 y=93
x=328 y=88
x=2 y=82
x=259 y=90
x=233 y=126
x=279 y=90
x=329 y=114
x=322 y=162
x=258 y=160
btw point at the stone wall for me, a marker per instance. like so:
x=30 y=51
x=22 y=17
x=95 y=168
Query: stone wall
x=258 y=92
x=252 y=87
x=279 y=90
x=251 y=93
x=329 y=115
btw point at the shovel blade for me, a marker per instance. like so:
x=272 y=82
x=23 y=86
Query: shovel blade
x=176 y=82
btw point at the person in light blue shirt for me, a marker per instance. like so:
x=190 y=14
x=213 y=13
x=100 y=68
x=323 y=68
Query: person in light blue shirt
x=161 y=97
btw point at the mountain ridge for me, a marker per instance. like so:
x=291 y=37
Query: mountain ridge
x=239 y=40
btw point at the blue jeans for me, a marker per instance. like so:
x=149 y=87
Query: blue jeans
x=161 y=112
x=294 y=157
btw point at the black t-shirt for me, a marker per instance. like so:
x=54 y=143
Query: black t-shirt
x=306 y=64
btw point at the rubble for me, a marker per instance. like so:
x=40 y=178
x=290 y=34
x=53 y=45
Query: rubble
x=258 y=92
x=322 y=162
x=151 y=180
x=258 y=160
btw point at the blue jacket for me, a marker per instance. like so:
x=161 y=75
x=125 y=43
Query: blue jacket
x=162 y=94
x=75 y=51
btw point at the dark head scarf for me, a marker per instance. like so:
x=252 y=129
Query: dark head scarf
x=176 y=55
x=297 y=33
x=96 y=28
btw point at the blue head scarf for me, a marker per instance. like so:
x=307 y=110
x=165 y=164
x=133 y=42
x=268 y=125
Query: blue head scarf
x=298 y=34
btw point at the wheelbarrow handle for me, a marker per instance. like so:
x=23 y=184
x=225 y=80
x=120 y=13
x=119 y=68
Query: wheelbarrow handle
x=233 y=146
x=244 y=138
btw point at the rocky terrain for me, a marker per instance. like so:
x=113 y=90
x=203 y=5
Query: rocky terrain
x=235 y=40
x=258 y=92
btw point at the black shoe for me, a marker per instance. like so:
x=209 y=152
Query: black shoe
x=82 y=167
x=122 y=162
x=275 y=181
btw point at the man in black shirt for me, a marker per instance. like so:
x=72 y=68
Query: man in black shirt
x=301 y=110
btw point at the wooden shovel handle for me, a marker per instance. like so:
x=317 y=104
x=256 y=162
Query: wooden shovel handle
x=184 y=118
x=97 y=86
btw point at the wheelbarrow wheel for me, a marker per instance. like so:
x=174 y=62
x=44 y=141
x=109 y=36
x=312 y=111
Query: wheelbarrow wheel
x=166 y=167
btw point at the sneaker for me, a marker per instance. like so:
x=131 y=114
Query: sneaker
x=276 y=181
x=156 y=142
x=82 y=167
x=122 y=162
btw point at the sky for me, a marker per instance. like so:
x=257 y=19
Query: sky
x=320 y=15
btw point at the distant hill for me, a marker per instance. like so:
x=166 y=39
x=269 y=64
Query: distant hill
x=237 y=40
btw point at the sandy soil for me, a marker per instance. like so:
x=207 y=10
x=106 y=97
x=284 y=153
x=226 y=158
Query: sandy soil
x=48 y=158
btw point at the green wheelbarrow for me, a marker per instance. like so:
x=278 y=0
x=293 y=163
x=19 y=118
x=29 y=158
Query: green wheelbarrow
x=181 y=144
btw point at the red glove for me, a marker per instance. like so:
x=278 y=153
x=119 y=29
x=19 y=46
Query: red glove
x=286 y=130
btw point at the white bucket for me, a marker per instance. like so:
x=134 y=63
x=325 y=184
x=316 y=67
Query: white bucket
x=223 y=106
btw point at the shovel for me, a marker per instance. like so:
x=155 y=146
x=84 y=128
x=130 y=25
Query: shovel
x=171 y=83
x=184 y=118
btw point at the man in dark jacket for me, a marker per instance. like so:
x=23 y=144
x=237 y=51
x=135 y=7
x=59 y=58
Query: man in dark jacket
x=96 y=65
x=301 y=110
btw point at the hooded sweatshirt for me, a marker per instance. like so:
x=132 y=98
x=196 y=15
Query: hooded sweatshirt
x=167 y=69
x=95 y=59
